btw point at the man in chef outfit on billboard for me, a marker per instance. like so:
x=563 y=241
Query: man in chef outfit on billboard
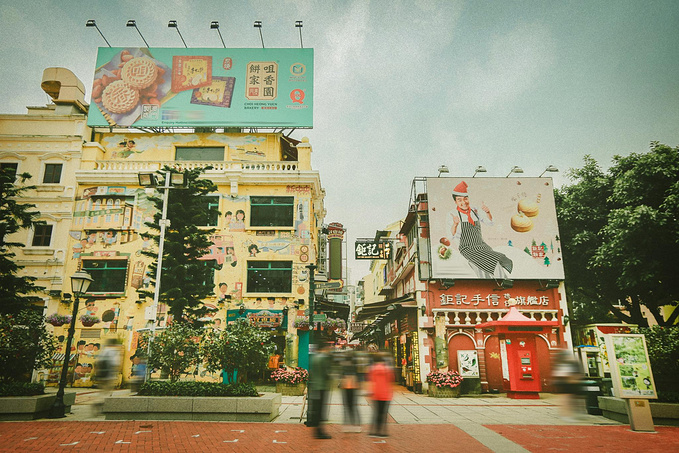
x=465 y=224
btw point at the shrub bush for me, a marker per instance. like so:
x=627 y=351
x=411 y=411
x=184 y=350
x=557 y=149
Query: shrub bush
x=13 y=388
x=195 y=388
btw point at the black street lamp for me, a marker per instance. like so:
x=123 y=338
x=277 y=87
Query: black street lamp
x=80 y=282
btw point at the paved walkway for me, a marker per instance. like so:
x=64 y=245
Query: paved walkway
x=416 y=423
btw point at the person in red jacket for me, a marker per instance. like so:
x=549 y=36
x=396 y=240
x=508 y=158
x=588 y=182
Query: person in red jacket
x=381 y=378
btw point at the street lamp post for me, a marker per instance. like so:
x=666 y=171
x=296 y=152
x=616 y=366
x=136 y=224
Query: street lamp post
x=149 y=180
x=80 y=282
x=310 y=311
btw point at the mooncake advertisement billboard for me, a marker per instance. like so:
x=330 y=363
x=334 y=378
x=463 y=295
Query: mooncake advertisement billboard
x=209 y=87
x=493 y=228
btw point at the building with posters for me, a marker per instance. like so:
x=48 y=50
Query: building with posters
x=271 y=200
x=459 y=264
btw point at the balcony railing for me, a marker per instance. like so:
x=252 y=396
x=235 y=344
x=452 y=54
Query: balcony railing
x=463 y=317
x=249 y=166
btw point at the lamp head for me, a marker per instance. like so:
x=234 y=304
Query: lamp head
x=298 y=23
x=214 y=24
x=257 y=24
x=91 y=23
x=172 y=24
x=131 y=23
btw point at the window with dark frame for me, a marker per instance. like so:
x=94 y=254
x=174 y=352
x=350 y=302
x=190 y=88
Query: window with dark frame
x=42 y=236
x=9 y=166
x=272 y=211
x=269 y=277
x=211 y=202
x=109 y=276
x=52 y=174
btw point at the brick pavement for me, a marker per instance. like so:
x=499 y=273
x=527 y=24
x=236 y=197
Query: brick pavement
x=59 y=436
x=416 y=423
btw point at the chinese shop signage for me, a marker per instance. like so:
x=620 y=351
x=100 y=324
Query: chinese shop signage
x=371 y=250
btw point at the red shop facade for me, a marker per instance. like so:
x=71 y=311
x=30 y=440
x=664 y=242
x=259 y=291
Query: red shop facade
x=463 y=320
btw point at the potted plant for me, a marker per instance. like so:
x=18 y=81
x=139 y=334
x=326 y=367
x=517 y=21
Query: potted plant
x=444 y=384
x=290 y=381
x=89 y=320
x=301 y=323
x=58 y=320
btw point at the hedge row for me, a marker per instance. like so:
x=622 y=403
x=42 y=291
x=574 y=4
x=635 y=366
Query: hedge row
x=195 y=388
x=13 y=388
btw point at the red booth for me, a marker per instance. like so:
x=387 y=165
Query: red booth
x=520 y=368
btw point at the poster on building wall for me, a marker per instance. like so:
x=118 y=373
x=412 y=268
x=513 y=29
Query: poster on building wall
x=180 y=87
x=468 y=363
x=630 y=366
x=493 y=228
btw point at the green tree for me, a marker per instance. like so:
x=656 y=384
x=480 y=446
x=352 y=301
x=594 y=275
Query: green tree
x=15 y=290
x=175 y=350
x=240 y=347
x=663 y=352
x=186 y=280
x=25 y=344
x=621 y=237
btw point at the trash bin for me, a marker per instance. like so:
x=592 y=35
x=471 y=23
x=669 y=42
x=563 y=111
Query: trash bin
x=591 y=390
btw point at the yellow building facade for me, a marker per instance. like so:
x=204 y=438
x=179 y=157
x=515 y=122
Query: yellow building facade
x=271 y=204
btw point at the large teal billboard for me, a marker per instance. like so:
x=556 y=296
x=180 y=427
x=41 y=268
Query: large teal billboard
x=178 y=87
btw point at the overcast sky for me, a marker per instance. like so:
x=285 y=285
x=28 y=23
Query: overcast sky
x=402 y=87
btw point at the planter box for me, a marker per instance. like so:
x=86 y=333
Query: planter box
x=31 y=407
x=443 y=392
x=291 y=389
x=616 y=409
x=206 y=408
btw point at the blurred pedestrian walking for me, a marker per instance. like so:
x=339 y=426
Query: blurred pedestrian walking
x=349 y=383
x=567 y=378
x=381 y=379
x=106 y=369
x=320 y=378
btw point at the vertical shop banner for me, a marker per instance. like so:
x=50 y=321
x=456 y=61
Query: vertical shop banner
x=493 y=228
x=630 y=366
x=178 y=87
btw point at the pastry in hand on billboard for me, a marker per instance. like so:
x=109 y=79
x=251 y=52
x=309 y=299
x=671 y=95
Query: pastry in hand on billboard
x=521 y=223
x=190 y=71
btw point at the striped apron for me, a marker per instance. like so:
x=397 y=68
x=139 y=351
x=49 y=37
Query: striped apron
x=478 y=252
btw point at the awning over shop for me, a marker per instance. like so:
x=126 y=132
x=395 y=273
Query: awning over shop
x=384 y=307
x=332 y=309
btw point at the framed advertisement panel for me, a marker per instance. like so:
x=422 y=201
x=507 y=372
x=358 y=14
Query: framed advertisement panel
x=493 y=228
x=179 y=87
x=630 y=366
x=468 y=363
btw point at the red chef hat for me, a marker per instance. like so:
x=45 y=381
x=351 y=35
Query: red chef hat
x=461 y=190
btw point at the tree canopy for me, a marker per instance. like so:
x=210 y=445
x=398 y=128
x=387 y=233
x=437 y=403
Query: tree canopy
x=15 y=290
x=621 y=237
x=186 y=279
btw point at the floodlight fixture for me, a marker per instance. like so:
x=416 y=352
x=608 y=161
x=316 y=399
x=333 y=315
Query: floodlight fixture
x=258 y=24
x=299 y=25
x=173 y=24
x=133 y=23
x=551 y=169
x=443 y=169
x=479 y=169
x=93 y=23
x=515 y=169
x=214 y=25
